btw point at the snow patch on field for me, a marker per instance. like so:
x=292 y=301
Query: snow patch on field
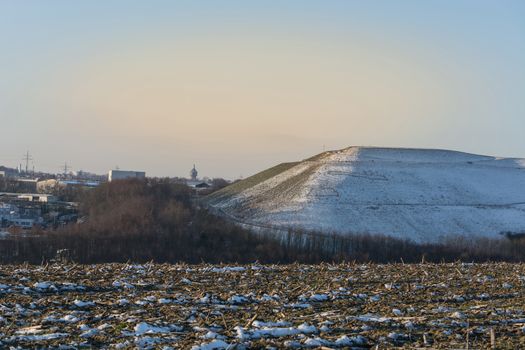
x=274 y=332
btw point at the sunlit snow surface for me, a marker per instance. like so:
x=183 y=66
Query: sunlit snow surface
x=422 y=195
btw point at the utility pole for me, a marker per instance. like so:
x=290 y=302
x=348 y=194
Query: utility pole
x=27 y=158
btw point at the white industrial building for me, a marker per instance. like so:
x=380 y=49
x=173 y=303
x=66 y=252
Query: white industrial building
x=125 y=174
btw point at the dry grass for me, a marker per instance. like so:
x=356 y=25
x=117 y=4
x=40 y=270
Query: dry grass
x=249 y=182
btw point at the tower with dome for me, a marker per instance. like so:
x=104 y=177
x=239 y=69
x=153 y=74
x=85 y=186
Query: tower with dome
x=194 y=181
x=194 y=173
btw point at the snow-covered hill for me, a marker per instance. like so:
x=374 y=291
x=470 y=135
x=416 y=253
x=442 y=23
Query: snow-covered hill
x=418 y=194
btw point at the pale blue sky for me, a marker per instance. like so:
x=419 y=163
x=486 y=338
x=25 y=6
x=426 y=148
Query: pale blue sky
x=238 y=86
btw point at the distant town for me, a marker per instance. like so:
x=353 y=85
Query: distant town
x=33 y=199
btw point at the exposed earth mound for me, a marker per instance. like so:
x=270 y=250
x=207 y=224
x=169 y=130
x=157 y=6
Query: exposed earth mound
x=417 y=194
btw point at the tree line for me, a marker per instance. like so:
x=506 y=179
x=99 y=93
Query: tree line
x=159 y=220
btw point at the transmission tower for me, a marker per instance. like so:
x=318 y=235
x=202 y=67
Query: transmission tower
x=66 y=168
x=27 y=158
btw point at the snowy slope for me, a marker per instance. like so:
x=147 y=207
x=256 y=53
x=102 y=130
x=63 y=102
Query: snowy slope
x=418 y=194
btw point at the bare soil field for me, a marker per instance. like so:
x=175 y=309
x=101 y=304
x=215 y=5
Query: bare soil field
x=443 y=306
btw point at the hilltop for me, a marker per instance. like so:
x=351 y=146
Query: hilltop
x=422 y=195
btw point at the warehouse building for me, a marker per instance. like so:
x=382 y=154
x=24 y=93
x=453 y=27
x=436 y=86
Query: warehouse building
x=125 y=174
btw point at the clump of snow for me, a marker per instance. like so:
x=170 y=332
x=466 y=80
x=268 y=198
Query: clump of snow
x=441 y=309
x=274 y=332
x=81 y=304
x=148 y=342
x=214 y=345
x=458 y=315
x=397 y=336
x=291 y=344
x=44 y=286
x=299 y=306
x=89 y=333
x=397 y=312
x=238 y=299
x=260 y=324
x=67 y=286
x=69 y=319
x=375 y=298
x=228 y=269
x=319 y=297
x=145 y=328
x=316 y=342
x=372 y=318
x=38 y=337
x=351 y=341
x=123 y=302
x=212 y=335
x=122 y=284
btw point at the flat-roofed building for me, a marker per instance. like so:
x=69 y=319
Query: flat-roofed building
x=37 y=197
x=125 y=174
x=26 y=185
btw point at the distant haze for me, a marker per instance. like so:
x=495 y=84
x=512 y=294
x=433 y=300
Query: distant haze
x=238 y=86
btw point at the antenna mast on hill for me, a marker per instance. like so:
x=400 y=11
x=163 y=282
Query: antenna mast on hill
x=27 y=158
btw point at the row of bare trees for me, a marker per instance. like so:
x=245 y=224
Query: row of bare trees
x=140 y=221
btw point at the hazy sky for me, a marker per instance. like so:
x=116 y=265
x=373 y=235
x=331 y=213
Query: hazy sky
x=238 y=86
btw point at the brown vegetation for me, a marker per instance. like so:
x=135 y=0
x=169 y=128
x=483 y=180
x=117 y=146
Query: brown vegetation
x=156 y=220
